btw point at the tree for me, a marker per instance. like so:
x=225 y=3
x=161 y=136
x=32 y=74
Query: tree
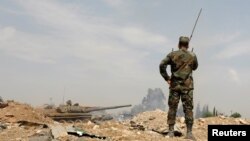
x=215 y=112
x=206 y=112
x=198 y=112
x=236 y=115
x=205 y=109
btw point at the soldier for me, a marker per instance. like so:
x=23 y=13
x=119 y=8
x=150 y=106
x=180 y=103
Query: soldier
x=182 y=63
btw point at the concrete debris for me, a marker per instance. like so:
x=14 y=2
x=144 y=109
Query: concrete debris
x=28 y=124
x=242 y=121
x=143 y=119
x=96 y=127
x=152 y=118
x=222 y=117
x=137 y=126
x=58 y=131
x=150 y=121
x=41 y=136
x=89 y=123
x=113 y=128
x=2 y=126
x=201 y=120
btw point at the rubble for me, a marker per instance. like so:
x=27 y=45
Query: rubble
x=242 y=121
x=41 y=136
x=58 y=131
x=79 y=132
x=2 y=103
x=25 y=123
x=2 y=126
x=21 y=121
x=150 y=119
x=201 y=120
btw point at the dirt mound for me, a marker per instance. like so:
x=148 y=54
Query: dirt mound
x=155 y=120
x=151 y=119
x=146 y=126
x=16 y=112
x=200 y=125
x=20 y=121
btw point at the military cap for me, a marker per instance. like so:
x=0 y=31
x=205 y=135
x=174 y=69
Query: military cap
x=184 y=39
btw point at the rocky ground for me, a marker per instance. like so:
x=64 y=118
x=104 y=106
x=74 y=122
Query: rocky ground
x=21 y=122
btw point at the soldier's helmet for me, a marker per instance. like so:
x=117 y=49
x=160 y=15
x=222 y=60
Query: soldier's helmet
x=184 y=39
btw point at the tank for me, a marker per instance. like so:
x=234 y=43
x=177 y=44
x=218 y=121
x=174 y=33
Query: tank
x=76 y=112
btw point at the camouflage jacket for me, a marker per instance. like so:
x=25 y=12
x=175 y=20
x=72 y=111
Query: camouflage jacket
x=182 y=64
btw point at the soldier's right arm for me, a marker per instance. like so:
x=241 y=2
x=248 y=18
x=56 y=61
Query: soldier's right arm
x=163 y=67
x=195 y=63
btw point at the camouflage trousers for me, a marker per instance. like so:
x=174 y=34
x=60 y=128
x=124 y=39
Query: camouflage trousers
x=187 y=102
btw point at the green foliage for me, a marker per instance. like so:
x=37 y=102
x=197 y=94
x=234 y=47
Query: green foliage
x=198 y=112
x=236 y=115
x=215 y=112
x=207 y=114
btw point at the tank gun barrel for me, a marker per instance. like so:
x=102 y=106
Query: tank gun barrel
x=79 y=109
x=105 y=108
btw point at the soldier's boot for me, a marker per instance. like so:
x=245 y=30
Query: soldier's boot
x=190 y=135
x=171 y=131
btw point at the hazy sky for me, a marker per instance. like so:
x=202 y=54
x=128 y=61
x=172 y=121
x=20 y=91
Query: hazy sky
x=107 y=52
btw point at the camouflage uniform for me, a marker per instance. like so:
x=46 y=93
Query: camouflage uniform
x=182 y=64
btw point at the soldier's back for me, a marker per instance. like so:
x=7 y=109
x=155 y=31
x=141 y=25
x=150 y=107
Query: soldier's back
x=181 y=63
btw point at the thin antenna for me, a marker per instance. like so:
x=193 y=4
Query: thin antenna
x=195 y=25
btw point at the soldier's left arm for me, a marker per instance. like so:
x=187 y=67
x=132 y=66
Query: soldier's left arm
x=163 y=67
